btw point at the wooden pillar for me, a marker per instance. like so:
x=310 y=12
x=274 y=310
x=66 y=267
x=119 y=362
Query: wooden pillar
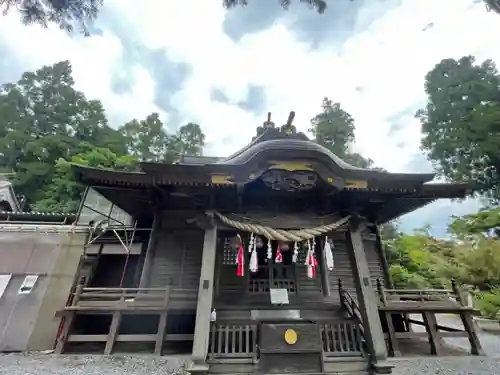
x=148 y=258
x=467 y=321
x=366 y=293
x=388 y=282
x=430 y=323
x=162 y=324
x=205 y=298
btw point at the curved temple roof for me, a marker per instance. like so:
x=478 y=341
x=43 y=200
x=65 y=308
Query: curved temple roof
x=284 y=150
x=284 y=144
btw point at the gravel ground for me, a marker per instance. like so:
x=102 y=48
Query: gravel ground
x=447 y=366
x=43 y=364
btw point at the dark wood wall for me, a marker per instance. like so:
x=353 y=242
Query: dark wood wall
x=177 y=253
x=231 y=290
x=176 y=259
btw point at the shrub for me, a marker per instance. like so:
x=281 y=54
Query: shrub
x=489 y=303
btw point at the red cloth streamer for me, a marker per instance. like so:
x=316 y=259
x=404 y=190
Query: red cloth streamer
x=240 y=260
x=311 y=264
x=279 y=257
x=314 y=265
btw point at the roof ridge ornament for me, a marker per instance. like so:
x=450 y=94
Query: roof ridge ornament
x=288 y=128
x=268 y=124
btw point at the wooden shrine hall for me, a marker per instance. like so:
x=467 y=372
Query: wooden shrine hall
x=268 y=261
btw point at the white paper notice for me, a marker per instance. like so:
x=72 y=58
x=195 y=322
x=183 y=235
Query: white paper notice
x=279 y=296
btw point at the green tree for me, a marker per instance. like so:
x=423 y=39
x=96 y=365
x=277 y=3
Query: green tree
x=65 y=14
x=421 y=260
x=42 y=119
x=319 y=5
x=461 y=122
x=64 y=194
x=147 y=139
x=486 y=222
x=190 y=139
x=334 y=128
x=68 y=15
x=479 y=261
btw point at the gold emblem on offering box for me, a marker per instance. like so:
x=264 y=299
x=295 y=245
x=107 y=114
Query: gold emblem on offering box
x=290 y=336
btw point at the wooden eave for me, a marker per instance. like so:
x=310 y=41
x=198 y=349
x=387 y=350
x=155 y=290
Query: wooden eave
x=100 y=176
x=158 y=174
x=203 y=174
x=391 y=209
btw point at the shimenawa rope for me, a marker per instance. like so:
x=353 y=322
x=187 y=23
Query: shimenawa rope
x=282 y=234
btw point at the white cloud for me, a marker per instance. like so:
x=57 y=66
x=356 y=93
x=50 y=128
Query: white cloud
x=93 y=61
x=375 y=74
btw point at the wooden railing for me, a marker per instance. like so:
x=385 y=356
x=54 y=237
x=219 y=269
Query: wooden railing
x=451 y=297
x=341 y=338
x=237 y=341
x=397 y=305
x=117 y=302
x=354 y=312
x=263 y=286
x=129 y=298
x=351 y=305
x=121 y=298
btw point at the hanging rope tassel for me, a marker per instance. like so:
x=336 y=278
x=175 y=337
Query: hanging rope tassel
x=314 y=264
x=328 y=255
x=313 y=256
x=295 y=252
x=309 y=261
x=254 y=262
x=240 y=259
x=250 y=242
x=269 y=250
x=279 y=257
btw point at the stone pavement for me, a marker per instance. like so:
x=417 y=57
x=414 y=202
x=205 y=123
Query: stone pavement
x=490 y=342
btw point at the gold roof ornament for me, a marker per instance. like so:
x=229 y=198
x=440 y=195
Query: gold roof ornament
x=268 y=124
x=288 y=128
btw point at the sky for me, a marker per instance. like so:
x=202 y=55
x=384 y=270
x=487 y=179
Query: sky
x=194 y=61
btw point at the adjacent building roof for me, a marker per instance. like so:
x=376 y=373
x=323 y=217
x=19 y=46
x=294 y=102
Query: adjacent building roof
x=7 y=197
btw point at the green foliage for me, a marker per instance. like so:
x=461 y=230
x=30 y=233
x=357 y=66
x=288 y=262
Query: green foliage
x=334 y=128
x=68 y=15
x=42 y=119
x=486 y=222
x=461 y=135
x=402 y=278
x=65 y=14
x=63 y=194
x=420 y=261
x=461 y=122
x=318 y=5
x=480 y=263
x=418 y=257
x=45 y=124
x=489 y=303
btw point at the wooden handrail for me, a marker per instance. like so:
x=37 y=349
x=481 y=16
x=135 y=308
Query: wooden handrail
x=101 y=289
x=351 y=306
x=387 y=295
x=419 y=291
